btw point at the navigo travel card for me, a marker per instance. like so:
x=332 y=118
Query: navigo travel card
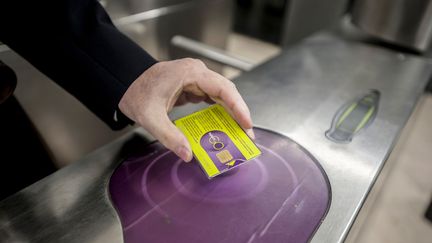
x=218 y=142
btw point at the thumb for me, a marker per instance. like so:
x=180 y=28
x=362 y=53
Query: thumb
x=161 y=127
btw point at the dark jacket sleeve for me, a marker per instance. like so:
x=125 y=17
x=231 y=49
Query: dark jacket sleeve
x=75 y=43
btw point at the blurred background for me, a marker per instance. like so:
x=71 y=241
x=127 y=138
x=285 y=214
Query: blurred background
x=233 y=36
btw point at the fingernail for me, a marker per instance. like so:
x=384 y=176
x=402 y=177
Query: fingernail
x=184 y=153
x=250 y=133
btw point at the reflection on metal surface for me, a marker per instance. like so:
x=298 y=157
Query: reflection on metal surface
x=294 y=94
x=152 y=24
x=305 y=17
x=281 y=196
x=3 y=48
x=211 y=53
x=154 y=13
x=353 y=116
x=404 y=22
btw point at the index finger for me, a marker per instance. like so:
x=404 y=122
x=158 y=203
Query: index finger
x=225 y=93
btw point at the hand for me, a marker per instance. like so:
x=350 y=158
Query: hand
x=152 y=95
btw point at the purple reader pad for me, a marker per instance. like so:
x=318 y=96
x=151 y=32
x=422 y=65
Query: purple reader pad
x=281 y=196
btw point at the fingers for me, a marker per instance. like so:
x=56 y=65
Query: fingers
x=250 y=133
x=159 y=125
x=225 y=93
x=149 y=98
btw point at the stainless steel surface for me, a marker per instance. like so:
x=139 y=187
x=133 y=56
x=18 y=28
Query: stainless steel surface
x=3 y=47
x=296 y=94
x=211 y=53
x=304 y=88
x=404 y=22
x=119 y=9
x=305 y=17
x=57 y=115
x=72 y=205
x=150 y=13
x=152 y=24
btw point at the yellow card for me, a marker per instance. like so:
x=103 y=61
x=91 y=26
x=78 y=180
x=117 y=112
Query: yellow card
x=218 y=142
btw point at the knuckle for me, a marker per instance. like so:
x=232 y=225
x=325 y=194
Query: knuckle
x=229 y=86
x=202 y=74
x=188 y=60
x=199 y=62
x=198 y=74
x=193 y=62
x=232 y=85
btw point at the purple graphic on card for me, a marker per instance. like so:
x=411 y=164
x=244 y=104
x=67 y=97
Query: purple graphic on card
x=221 y=150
